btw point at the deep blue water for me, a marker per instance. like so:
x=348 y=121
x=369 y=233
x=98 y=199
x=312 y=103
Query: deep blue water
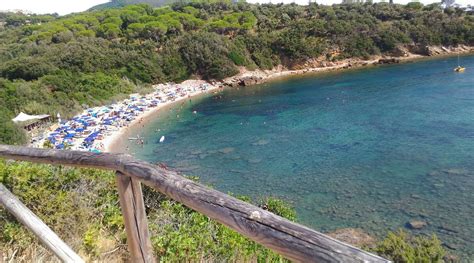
x=370 y=148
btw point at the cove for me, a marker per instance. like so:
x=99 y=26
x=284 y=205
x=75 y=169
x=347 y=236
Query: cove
x=371 y=148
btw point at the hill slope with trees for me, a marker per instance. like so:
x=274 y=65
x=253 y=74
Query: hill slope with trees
x=122 y=3
x=56 y=64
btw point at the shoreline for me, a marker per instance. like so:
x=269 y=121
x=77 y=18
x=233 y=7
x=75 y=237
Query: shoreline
x=248 y=78
x=116 y=140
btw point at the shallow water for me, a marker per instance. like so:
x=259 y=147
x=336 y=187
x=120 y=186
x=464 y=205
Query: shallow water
x=371 y=148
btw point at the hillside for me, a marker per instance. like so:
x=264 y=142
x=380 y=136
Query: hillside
x=153 y=3
x=122 y=3
x=63 y=64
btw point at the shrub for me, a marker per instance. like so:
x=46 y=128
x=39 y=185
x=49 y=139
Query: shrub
x=400 y=247
x=81 y=206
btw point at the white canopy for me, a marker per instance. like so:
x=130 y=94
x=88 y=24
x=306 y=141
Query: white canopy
x=25 y=117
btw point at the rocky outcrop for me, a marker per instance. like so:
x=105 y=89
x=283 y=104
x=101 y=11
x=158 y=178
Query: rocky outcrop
x=450 y=258
x=354 y=236
x=250 y=80
x=417 y=49
x=436 y=50
x=400 y=51
x=456 y=171
x=388 y=61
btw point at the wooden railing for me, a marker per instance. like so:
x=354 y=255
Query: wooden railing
x=292 y=240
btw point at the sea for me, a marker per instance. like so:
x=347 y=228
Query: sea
x=370 y=148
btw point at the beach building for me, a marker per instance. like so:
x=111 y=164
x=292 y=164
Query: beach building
x=29 y=122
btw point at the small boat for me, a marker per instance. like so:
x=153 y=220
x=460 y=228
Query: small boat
x=162 y=139
x=459 y=68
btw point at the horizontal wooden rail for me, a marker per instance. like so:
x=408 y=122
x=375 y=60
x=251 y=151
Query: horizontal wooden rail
x=293 y=241
x=46 y=236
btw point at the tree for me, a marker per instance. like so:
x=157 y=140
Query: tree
x=155 y=30
x=109 y=30
x=135 y=30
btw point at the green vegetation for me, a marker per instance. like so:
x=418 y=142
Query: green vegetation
x=81 y=205
x=154 y=3
x=56 y=64
x=400 y=247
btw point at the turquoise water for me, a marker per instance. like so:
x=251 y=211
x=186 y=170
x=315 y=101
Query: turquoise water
x=371 y=148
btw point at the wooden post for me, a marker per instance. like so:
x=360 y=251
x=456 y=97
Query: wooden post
x=136 y=225
x=46 y=236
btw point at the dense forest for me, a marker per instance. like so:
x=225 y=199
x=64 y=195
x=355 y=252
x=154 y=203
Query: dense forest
x=53 y=64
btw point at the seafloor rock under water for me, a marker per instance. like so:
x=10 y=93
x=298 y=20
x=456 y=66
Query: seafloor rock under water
x=354 y=236
x=416 y=224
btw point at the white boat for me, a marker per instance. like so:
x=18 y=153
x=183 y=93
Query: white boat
x=162 y=139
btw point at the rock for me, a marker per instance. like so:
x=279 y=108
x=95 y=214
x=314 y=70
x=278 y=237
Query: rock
x=233 y=84
x=251 y=80
x=226 y=150
x=416 y=224
x=434 y=173
x=196 y=152
x=388 y=61
x=450 y=258
x=254 y=160
x=234 y=157
x=260 y=142
x=456 y=171
x=400 y=51
x=418 y=49
x=450 y=246
x=447 y=229
x=354 y=236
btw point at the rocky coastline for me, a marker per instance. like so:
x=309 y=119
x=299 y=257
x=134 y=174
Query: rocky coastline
x=322 y=64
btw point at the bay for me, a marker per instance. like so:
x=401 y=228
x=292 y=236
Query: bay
x=371 y=148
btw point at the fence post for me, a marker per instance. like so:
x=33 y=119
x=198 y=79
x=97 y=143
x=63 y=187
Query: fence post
x=136 y=225
x=45 y=235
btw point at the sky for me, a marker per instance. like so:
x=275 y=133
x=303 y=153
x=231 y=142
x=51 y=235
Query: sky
x=64 y=7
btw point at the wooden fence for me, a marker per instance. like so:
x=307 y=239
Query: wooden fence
x=292 y=240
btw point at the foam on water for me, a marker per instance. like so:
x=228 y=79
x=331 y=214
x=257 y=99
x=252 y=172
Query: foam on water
x=371 y=148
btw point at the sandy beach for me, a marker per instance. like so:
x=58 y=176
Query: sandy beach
x=98 y=129
x=115 y=141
